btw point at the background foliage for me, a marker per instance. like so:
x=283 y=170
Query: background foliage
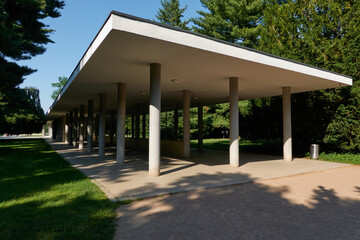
x=23 y=35
x=323 y=33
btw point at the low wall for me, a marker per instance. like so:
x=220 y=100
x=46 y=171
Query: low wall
x=173 y=148
x=169 y=147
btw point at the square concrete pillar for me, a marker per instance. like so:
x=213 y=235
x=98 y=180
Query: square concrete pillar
x=287 y=138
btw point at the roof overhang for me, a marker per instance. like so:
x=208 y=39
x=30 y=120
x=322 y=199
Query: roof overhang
x=126 y=45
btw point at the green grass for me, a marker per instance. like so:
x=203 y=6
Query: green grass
x=261 y=146
x=43 y=197
x=350 y=158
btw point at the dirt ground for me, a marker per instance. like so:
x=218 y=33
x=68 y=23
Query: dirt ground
x=317 y=205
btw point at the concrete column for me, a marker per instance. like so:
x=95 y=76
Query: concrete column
x=97 y=129
x=90 y=125
x=51 y=130
x=176 y=123
x=137 y=121
x=186 y=123
x=66 y=135
x=102 y=120
x=166 y=126
x=120 y=123
x=234 y=122
x=287 y=146
x=144 y=126
x=76 y=121
x=112 y=127
x=200 y=127
x=81 y=127
x=71 y=126
x=132 y=125
x=154 y=119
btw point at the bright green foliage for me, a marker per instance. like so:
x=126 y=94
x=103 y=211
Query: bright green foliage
x=349 y=158
x=259 y=146
x=171 y=14
x=43 y=197
x=325 y=34
x=58 y=86
x=21 y=111
x=22 y=36
x=235 y=21
x=343 y=131
x=318 y=32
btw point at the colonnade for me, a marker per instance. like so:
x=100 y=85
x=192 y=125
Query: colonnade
x=72 y=120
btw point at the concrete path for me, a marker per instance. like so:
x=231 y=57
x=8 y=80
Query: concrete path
x=318 y=205
x=203 y=170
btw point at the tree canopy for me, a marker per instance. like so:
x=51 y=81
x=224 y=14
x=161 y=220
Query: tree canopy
x=58 y=86
x=322 y=33
x=231 y=20
x=171 y=14
x=23 y=35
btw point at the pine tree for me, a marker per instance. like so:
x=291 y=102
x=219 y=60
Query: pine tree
x=235 y=21
x=171 y=14
x=23 y=35
x=325 y=34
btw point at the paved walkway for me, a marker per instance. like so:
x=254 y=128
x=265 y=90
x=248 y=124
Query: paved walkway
x=203 y=170
x=318 y=205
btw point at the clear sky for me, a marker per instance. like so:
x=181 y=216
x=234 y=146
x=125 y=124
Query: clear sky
x=76 y=28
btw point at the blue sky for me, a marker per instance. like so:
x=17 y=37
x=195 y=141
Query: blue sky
x=79 y=23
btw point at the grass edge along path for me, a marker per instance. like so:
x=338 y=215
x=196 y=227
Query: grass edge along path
x=275 y=147
x=349 y=158
x=44 y=197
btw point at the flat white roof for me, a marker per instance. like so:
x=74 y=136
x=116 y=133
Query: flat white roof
x=126 y=45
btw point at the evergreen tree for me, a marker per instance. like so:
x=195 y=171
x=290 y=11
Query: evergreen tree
x=325 y=34
x=235 y=21
x=23 y=112
x=171 y=14
x=317 y=32
x=22 y=36
x=58 y=86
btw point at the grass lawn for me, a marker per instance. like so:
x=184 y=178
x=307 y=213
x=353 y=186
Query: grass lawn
x=275 y=147
x=261 y=146
x=43 y=197
x=350 y=158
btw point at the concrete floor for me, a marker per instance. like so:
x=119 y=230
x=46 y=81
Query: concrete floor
x=322 y=205
x=203 y=170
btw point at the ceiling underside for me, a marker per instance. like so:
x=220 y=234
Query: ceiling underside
x=126 y=57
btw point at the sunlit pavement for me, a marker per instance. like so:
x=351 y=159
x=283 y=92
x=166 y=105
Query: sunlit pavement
x=317 y=205
x=202 y=170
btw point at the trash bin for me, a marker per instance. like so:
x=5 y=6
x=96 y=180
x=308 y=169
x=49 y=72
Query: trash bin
x=314 y=151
